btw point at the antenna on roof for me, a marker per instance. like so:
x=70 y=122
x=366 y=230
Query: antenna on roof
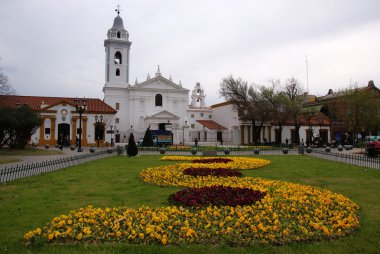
x=307 y=74
x=118 y=9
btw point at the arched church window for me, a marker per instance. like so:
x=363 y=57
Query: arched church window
x=117 y=72
x=158 y=100
x=118 y=57
x=118 y=34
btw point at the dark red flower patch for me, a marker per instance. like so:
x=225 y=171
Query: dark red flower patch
x=216 y=195
x=221 y=172
x=212 y=160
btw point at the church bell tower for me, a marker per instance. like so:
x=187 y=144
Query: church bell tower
x=117 y=46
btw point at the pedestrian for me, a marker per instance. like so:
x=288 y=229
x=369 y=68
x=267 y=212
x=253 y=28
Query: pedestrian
x=302 y=147
x=60 y=141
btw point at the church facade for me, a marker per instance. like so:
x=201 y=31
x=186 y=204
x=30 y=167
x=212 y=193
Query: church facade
x=157 y=103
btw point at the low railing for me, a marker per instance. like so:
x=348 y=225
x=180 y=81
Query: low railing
x=219 y=150
x=25 y=170
x=361 y=160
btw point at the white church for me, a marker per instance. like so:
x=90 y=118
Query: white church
x=158 y=102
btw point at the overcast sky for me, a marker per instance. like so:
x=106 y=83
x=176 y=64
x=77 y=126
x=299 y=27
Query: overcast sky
x=55 y=48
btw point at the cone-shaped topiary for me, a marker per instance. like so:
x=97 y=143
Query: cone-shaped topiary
x=148 y=139
x=132 y=148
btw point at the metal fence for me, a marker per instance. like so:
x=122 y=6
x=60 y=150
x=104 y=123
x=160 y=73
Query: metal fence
x=218 y=150
x=25 y=170
x=361 y=160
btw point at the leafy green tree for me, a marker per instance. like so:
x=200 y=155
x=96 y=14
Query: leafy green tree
x=17 y=126
x=357 y=108
x=148 y=139
x=132 y=147
x=5 y=126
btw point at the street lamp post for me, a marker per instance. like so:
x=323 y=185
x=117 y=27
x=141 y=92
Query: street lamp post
x=183 y=133
x=98 y=123
x=80 y=106
x=111 y=136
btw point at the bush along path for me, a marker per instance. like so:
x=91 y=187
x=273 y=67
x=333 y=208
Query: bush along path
x=263 y=212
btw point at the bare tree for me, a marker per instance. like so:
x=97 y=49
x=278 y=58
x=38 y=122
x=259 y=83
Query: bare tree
x=5 y=86
x=245 y=98
x=278 y=103
x=296 y=95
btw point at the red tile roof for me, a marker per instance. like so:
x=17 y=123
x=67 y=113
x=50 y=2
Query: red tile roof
x=34 y=102
x=211 y=125
x=221 y=104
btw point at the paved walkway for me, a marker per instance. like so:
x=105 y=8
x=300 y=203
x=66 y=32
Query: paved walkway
x=25 y=159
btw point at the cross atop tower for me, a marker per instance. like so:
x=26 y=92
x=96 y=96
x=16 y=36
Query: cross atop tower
x=118 y=9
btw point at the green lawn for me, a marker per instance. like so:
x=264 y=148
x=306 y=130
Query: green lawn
x=30 y=203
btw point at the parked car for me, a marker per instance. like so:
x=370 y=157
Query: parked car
x=372 y=146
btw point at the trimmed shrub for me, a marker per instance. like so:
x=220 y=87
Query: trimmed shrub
x=132 y=147
x=148 y=139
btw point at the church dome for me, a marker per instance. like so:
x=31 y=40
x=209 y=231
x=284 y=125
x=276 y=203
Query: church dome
x=118 y=23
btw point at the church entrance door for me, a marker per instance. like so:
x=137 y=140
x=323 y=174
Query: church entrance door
x=64 y=134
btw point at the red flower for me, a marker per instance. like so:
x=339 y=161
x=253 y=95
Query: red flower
x=222 y=172
x=216 y=195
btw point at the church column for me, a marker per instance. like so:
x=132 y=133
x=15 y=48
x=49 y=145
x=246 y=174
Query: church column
x=84 y=128
x=53 y=140
x=42 y=131
x=242 y=134
x=249 y=134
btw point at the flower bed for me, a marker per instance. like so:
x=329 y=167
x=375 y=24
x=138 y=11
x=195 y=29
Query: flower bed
x=215 y=195
x=222 y=172
x=287 y=213
x=212 y=160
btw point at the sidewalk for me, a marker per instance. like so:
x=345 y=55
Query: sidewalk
x=27 y=159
